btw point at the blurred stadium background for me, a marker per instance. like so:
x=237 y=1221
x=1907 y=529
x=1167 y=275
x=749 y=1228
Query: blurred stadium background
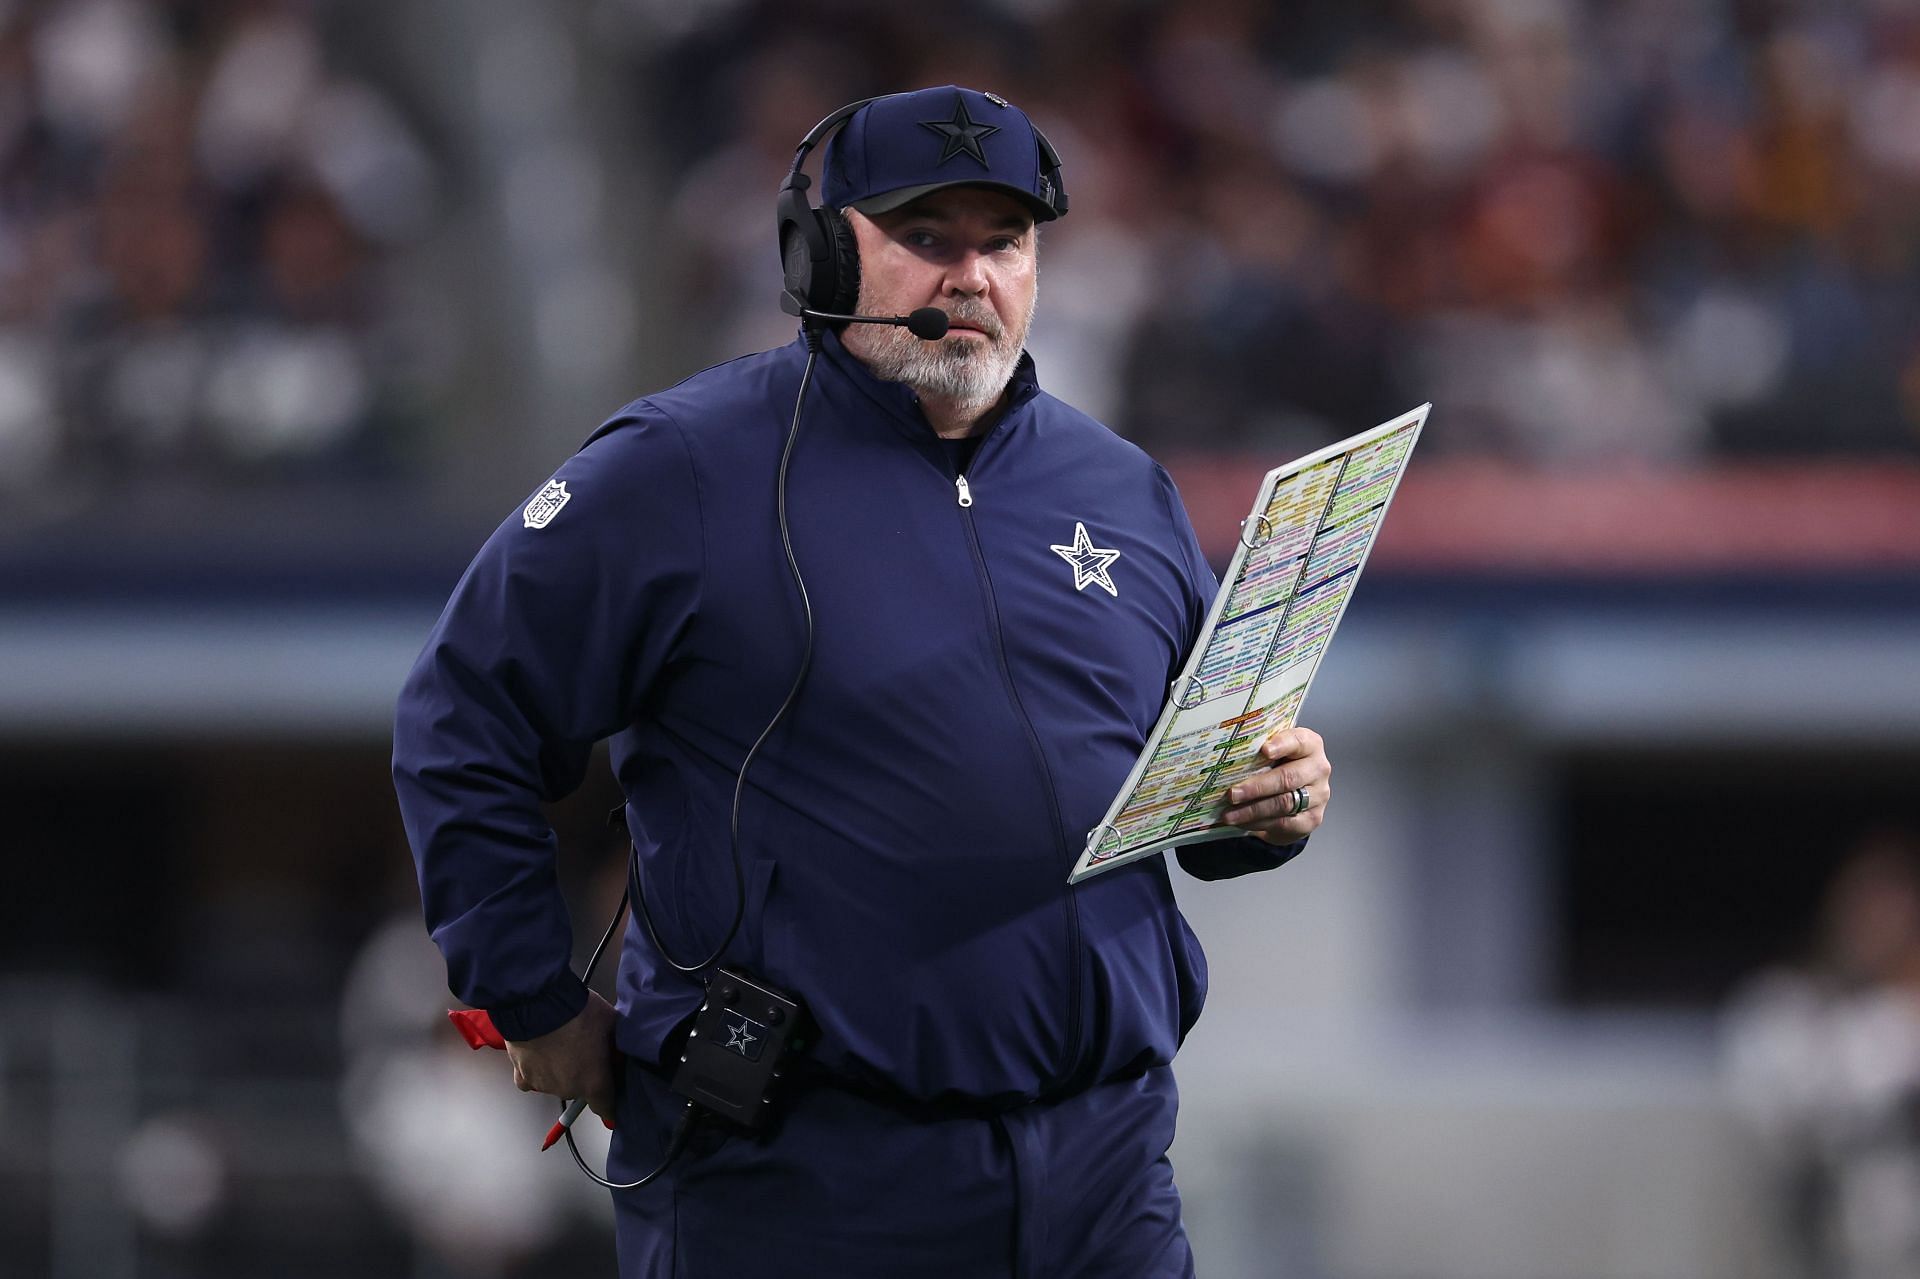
x=1606 y=967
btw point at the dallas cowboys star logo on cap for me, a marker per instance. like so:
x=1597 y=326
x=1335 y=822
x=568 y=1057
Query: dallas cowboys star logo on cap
x=962 y=135
x=1090 y=562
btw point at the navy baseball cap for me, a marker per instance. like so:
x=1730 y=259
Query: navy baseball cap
x=900 y=147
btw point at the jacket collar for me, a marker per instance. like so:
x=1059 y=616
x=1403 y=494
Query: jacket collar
x=902 y=405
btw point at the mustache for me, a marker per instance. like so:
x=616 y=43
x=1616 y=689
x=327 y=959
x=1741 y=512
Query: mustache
x=977 y=315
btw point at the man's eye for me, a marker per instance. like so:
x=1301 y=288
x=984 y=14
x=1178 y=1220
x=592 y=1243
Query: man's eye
x=922 y=239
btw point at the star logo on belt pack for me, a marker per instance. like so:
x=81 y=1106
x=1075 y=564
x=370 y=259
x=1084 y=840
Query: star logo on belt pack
x=745 y=1036
x=1089 y=562
x=962 y=135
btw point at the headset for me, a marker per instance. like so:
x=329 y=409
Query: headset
x=818 y=254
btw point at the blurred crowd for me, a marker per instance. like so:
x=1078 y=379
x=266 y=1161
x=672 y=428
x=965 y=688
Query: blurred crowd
x=1642 y=230
x=195 y=209
x=1651 y=230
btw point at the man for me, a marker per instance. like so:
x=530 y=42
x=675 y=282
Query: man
x=999 y=591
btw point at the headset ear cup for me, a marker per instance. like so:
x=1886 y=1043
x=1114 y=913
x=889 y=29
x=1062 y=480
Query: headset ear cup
x=838 y=287
x=800 y=243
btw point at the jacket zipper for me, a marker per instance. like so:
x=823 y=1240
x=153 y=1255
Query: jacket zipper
x=965 y=496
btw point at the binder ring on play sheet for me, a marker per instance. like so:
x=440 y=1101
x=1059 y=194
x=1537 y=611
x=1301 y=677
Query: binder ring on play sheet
x=1188 y=693
x=1262 y=538
x=1098 y=836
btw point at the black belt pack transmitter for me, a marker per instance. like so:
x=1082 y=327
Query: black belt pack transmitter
x=742 y=1037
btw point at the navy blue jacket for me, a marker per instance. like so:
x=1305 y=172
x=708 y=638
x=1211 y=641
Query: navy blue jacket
x=908 y=829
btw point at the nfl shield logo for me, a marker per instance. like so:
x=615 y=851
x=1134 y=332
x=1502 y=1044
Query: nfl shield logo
x=546 y=504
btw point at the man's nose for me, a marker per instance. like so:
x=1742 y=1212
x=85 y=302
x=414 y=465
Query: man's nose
x=967 y=275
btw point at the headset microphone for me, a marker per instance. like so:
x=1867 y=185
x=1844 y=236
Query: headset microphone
x=929 y=322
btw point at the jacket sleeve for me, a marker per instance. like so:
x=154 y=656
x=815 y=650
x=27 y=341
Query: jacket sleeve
x=549 y=643
x=1218 y=858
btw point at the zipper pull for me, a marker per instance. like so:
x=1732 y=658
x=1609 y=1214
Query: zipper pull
x=966 y=494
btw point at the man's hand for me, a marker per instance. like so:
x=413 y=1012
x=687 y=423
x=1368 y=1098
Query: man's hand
x=574 y=1061
x=1264 y=803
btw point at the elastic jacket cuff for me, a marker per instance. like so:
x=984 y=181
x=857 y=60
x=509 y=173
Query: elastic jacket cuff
x=1229 y=858
x=556 y=1004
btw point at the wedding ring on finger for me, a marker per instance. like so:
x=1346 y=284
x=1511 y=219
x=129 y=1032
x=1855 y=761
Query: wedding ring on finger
x=1301 y=801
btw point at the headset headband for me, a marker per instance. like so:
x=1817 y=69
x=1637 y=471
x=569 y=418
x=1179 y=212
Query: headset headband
x=819 y=131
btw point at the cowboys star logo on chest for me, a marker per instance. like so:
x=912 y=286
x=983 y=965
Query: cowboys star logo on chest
x=1092 y=565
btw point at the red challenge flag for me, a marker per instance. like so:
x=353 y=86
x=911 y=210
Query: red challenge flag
x=476 y=1028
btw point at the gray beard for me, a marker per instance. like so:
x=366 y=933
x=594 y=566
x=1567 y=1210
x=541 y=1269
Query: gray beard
x=950 y=370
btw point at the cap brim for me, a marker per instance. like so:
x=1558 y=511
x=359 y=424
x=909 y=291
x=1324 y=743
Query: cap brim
x=888 y=201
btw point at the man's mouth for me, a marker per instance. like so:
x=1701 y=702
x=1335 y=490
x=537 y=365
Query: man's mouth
x=964 y=324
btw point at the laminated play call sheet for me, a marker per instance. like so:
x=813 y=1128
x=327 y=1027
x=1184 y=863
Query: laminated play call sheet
x=1301 y=550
